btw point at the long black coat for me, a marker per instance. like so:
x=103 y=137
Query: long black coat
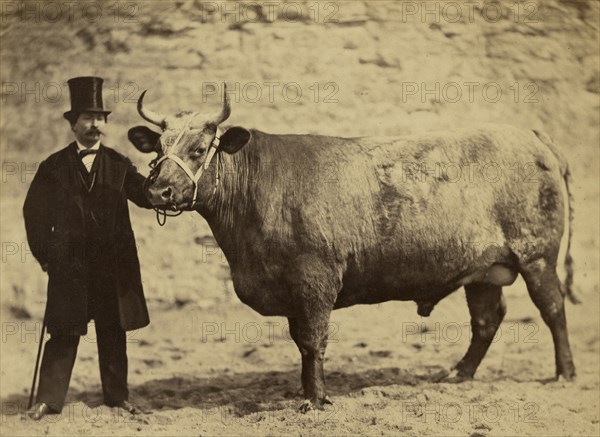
x=85 y=238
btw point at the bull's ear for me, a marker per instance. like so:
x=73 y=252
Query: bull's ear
x=144 y=139
x=234 y=139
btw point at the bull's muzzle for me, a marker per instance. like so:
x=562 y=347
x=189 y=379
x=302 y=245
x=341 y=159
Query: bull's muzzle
x=161 y=194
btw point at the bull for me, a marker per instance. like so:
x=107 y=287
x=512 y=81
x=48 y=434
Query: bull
x=382 y=227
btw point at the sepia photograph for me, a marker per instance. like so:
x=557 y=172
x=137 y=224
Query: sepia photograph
x=300 y=218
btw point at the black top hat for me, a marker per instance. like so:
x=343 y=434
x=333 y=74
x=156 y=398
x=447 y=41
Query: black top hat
x=86 y=96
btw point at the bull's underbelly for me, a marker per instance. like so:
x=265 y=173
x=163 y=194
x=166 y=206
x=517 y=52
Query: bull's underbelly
x=274 y=298
x=388 y=288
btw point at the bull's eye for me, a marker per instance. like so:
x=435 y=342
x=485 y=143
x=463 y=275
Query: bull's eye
x=198 y=151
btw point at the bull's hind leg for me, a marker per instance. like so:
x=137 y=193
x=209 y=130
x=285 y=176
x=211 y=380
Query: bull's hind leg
x=487 y=309
x=544 y=288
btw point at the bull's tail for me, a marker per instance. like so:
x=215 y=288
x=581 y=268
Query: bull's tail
x=567 y=285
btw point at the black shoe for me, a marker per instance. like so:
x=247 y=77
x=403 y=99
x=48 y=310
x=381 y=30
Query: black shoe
x=128 y=406
x=38 y=411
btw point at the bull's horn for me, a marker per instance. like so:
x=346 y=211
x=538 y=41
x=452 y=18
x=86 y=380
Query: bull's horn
x=226 y=110
x=149 y=115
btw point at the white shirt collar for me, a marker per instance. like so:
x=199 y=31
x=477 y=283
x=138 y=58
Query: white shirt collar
x=81 y=147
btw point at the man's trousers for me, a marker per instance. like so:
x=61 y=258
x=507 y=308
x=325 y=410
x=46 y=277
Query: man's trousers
x=59 y=357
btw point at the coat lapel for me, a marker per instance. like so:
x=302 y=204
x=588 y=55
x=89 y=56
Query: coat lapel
x=67 y=173
x=109 y=172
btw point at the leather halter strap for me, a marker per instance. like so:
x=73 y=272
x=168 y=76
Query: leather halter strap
x=194 y=177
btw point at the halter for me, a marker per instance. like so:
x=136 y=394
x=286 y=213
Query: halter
x=194 y=177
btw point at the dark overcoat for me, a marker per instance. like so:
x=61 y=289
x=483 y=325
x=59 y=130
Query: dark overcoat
x=78 y=225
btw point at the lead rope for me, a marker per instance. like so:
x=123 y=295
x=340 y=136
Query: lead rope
x=163 y=213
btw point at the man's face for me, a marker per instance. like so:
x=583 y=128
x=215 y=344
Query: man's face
x=88 y=128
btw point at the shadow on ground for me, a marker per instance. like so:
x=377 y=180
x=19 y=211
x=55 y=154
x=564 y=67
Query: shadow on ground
x=246 y=393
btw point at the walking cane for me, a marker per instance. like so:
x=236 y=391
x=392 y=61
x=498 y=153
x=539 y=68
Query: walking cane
x=37 y=363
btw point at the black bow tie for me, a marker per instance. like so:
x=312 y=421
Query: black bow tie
x=86 y=152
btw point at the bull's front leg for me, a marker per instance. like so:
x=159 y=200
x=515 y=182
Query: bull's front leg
x=313 y=288
x=311 y=338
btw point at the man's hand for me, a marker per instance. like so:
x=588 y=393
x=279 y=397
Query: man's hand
x=45 y=267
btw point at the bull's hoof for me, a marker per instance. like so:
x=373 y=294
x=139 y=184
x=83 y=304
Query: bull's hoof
x=565 y=378
x=309 y=405
x=456 y=377
x=559 y=380
x=566 y=373
x=440 y=375
x=306 y=406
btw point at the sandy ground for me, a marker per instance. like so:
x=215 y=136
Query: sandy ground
x=209 y=365
x=225 y=370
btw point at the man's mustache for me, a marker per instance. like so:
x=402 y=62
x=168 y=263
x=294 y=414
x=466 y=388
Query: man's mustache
x=94 y=131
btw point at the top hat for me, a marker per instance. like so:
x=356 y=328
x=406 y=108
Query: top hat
x=86 y=96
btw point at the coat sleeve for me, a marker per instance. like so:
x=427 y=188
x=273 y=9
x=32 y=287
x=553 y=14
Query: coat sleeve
x=134 y=186
x=37 y=212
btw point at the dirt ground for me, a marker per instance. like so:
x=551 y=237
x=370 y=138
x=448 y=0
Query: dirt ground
x=208 y=364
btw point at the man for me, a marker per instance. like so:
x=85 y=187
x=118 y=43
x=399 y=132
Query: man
x=78 y=228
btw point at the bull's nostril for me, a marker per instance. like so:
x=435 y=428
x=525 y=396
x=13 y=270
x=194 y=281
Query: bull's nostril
x=166 y=194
